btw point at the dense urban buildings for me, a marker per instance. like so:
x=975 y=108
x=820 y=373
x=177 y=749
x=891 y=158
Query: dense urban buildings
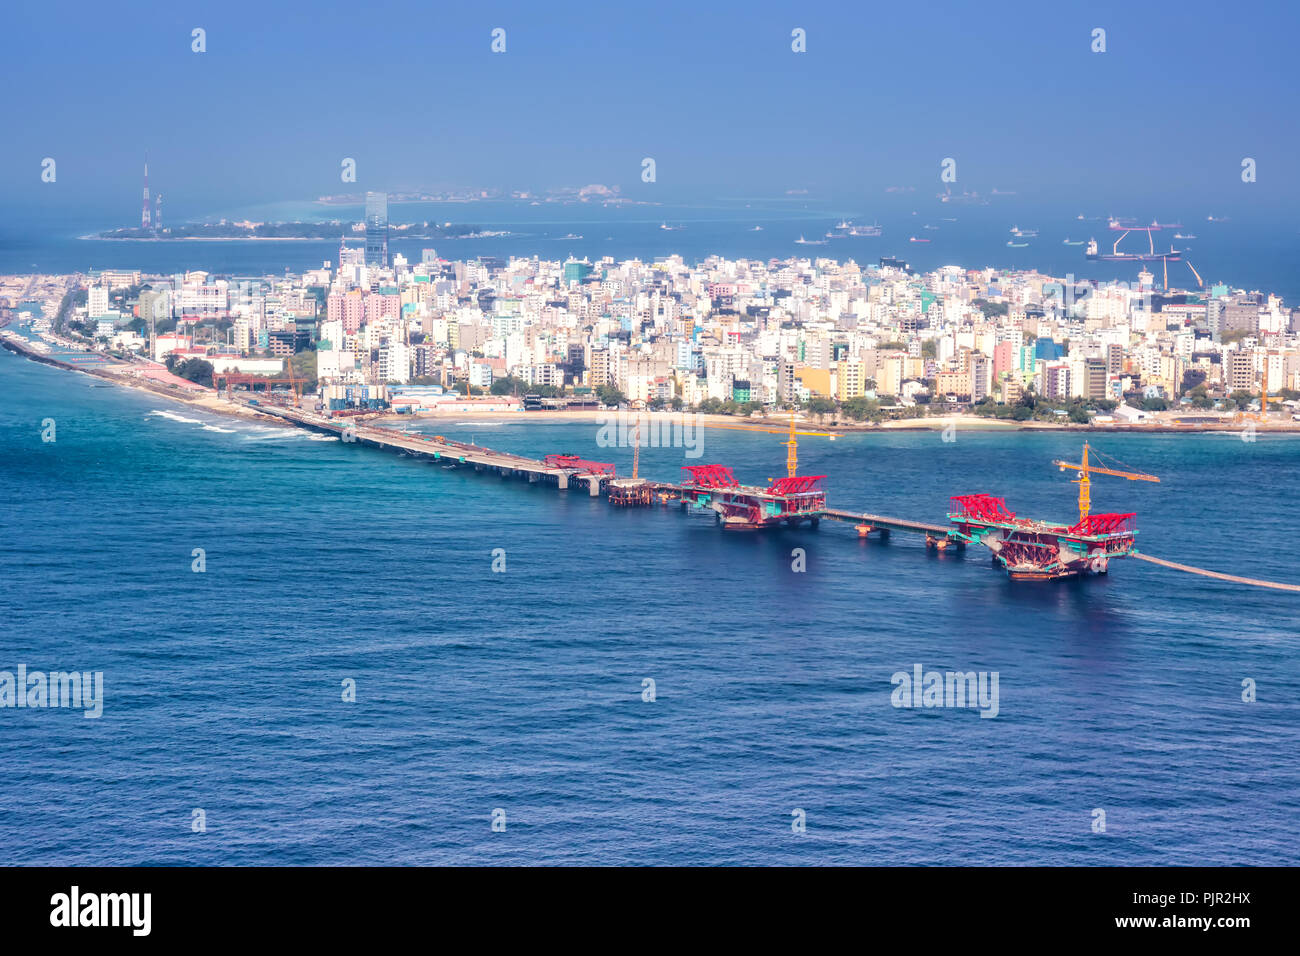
x=733 y=335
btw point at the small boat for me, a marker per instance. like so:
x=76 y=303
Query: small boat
x=1179 y=235
x=928 y=226
x=914 y=239
x=1073 y=242
x=757 y=229
x=1017 y=245
x=801 y=241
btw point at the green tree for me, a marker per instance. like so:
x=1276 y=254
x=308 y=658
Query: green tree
x=304 y=369
x=821 y=407
x=609 y=395
x=509 y=385
x=197 y=370
x=861 y=408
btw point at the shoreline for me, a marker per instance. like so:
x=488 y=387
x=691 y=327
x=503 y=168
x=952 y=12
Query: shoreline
x=209 y=401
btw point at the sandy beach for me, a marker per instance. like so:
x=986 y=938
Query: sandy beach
x=208 y=400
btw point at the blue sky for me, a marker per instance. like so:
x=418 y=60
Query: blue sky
x=712 y=91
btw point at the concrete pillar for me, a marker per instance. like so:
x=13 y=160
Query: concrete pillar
x=593 y=486
x=562 y=480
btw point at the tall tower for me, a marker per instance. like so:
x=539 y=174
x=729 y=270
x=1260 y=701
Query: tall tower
x=377 y=230
x=145 y=218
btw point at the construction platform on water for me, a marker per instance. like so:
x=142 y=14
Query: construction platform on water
x=1026 y=549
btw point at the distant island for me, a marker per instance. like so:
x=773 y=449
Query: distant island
x=333 y=229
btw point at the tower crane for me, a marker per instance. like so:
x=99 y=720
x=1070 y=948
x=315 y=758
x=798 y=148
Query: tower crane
x=1086 y=470
x=791 y=442
x=294 y=384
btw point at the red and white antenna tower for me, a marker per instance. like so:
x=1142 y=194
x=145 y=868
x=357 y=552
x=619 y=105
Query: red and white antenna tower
x=146 y=220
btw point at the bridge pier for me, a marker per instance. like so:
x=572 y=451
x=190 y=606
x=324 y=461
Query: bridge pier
x=562 y=480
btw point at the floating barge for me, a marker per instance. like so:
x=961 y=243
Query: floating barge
x=790 y=501
x=1031 y=550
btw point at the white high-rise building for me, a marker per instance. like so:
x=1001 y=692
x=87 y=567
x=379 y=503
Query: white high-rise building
x=96 y=301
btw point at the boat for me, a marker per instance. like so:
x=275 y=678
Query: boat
x=666 y=227
x=1017 y=245
x=866 y=232
x=1024 y=233
x=928 y=226
x=914 y=239
x=801 y=241
x=1073 y=242
x=570 y=236
x=757 y=229
x=1179 y=235
x=1216 y=218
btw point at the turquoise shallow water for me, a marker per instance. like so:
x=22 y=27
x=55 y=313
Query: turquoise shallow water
x=522 y=690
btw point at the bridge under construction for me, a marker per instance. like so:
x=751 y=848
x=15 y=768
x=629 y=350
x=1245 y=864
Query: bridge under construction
x=1027 y=549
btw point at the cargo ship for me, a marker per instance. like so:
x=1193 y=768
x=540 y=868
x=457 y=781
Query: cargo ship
x=1091 y=252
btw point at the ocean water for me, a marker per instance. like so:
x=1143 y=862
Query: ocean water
x=522 y=690
x=1256 y=247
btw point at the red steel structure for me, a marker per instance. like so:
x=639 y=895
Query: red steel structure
x=1039 y=550
x=580 y=465
x=790 y=501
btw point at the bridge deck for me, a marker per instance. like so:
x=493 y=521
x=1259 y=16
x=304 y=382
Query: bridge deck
x=886 y=523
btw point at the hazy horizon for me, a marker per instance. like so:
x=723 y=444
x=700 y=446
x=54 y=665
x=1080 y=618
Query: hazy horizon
x=716 y=96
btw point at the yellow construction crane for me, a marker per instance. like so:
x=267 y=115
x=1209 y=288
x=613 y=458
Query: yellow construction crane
x=1086 y=470
x=293 y=382
x=1263 y=394
x=792 y=456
